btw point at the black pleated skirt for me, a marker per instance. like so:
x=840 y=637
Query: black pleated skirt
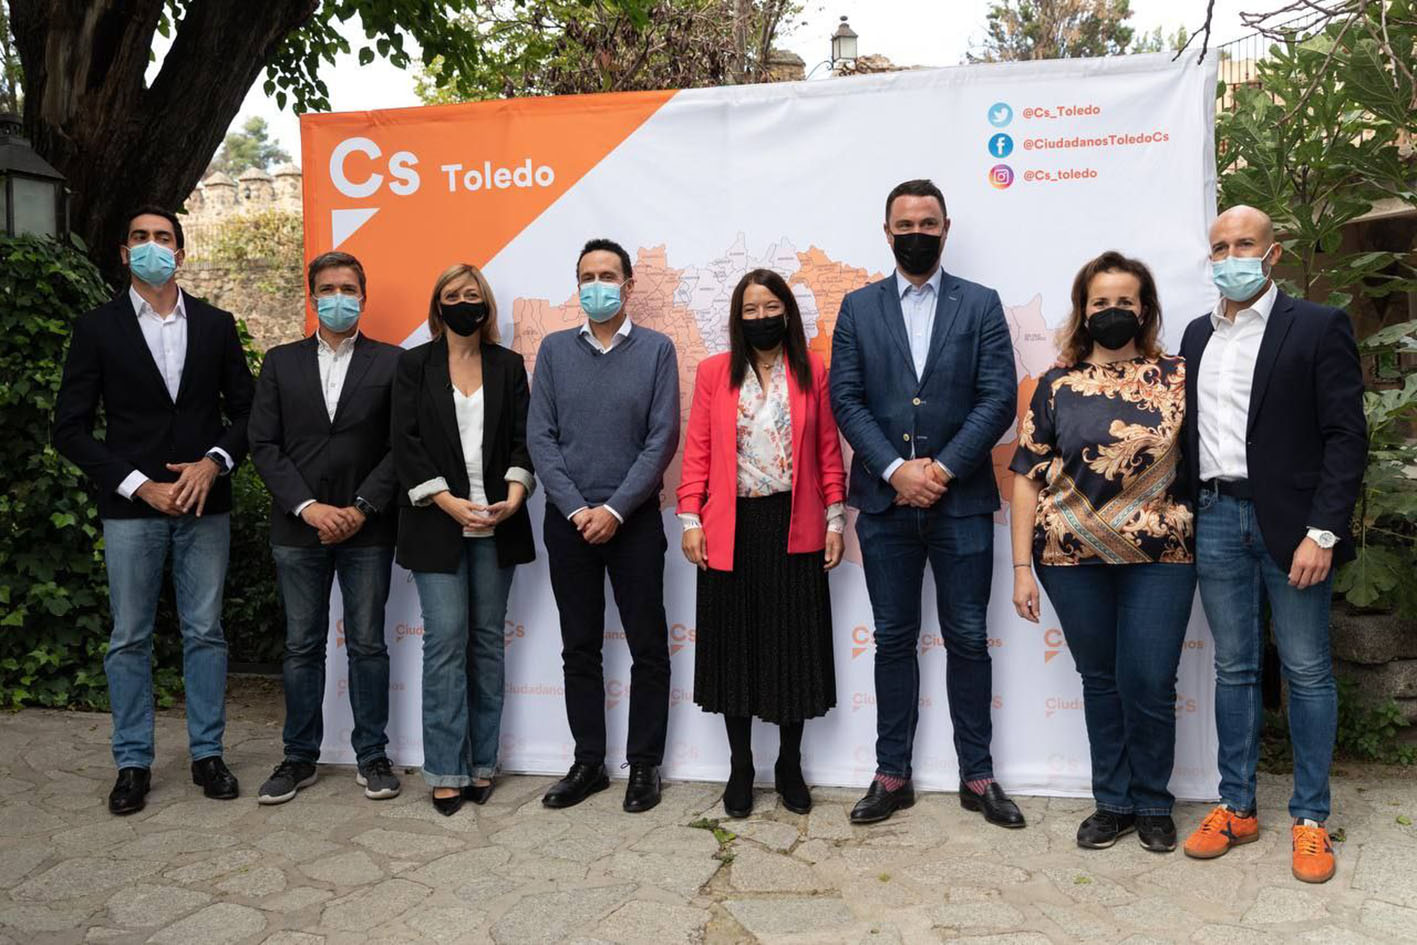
x=764 y=638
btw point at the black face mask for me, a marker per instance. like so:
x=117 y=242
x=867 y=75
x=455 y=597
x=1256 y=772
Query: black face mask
x=464 y=318
x=1112 y=328
x=765 y=333
x=917 y=253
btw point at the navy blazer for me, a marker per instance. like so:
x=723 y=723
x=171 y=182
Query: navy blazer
x=302 y=454
x=1306 y=444
x=956 y=412
x=110 y=366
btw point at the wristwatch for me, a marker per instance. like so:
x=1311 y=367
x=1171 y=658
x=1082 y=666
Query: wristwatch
x=1324 y=539
x=366 y=507
x=220 y=461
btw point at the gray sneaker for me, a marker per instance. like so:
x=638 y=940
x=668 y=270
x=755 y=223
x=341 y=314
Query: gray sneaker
x=377 y=779
x=288 y=778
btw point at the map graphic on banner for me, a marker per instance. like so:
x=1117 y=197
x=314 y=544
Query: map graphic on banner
x=1043 y=166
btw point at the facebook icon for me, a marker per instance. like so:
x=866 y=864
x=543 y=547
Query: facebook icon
x=1001 y=145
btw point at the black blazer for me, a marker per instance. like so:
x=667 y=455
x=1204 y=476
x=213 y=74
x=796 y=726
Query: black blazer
x=427 y=445
x=303 y=455
x=109 y=364
x=1307 y=439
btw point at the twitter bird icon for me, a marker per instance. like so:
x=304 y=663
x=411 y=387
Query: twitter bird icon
x=1000 y=114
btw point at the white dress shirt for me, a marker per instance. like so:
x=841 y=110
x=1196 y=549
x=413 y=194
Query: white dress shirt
x=1226 y=377
x=621 y=334
x=166 y=337
x=334 y=368
x=918 y=306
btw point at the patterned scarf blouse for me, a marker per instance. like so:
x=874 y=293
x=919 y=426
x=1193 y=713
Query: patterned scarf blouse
x=1105 y=440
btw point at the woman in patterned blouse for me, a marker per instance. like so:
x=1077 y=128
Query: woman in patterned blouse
x=761 y=501
x=1112 y=538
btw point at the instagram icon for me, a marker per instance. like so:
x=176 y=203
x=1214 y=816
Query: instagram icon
x=1001 y=176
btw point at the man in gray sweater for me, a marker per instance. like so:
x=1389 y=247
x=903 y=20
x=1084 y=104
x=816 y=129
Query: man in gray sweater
x=603 y=426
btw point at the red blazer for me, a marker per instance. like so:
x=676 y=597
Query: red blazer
x=709 y=484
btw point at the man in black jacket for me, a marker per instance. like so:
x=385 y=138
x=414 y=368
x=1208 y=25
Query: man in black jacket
x=320 y=439
x=1276 y=444
x=165 y=368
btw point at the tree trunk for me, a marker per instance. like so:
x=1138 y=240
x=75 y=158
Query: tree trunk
x=120 y=142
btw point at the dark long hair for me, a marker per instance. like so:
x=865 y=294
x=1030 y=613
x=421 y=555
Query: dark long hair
x=794 y=343
x=1074 y=341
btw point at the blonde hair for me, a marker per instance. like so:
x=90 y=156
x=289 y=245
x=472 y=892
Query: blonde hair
x=452 y=273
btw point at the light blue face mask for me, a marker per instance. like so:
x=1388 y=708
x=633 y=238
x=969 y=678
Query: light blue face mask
x=1240 y=278
x=600 y=301
x=338 y=313
x=152 y=263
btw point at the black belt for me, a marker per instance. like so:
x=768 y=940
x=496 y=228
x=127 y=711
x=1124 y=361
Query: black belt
x=1234 y=488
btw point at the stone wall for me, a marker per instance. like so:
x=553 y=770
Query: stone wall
x=1379 y=653
x=270 y=299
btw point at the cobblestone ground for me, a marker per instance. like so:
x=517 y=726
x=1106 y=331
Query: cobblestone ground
x=333 y=867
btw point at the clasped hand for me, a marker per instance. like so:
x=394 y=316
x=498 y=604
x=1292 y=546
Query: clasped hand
x=333 y=523
x=474 y=515
x=919 y=482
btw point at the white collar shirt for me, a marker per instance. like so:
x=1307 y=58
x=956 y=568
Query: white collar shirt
x=166 y=338
x=621 y=334
x=1224 y=383
x=334 y=367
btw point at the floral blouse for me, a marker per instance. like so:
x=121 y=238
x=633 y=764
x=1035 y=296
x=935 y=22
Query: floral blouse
x=765 y=443
x=1105 y=439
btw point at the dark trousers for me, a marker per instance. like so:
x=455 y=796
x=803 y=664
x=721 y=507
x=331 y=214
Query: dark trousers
x=895 y=546
x=634 y=559
x=306 y=576
x=1125 y=625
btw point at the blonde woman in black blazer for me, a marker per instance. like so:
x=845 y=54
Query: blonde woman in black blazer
x=459 y=440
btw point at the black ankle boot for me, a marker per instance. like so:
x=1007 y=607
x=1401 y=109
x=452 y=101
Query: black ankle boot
x=738 y=793
x=792 y=787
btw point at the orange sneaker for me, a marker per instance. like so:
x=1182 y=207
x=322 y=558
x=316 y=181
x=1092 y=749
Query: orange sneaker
x=1221 y=830
x=1313 y=853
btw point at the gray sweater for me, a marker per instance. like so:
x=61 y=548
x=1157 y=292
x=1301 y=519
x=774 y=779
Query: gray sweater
x=603 y=427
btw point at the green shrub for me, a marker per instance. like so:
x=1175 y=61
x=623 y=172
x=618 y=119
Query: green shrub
x=54 y=617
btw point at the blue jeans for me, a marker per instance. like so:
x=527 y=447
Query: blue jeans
x=895 y=546
x=1125 y=625
x=306 y=576
x=464 y=647
x=135 y=552
x=1237 y=576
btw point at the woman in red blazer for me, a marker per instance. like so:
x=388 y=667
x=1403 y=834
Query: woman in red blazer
x=762 y=504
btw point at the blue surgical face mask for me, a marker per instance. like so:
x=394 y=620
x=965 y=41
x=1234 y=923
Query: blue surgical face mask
x=1240 y=278
x=152 y=263
x=600 y=301
x=338 y=313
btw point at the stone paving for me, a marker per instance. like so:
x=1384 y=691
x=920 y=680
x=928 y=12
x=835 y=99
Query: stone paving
x=332 y=867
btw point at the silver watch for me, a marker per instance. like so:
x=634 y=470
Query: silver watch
x=1324 y=539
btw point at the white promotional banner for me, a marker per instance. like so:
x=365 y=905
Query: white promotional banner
x=1043 y=165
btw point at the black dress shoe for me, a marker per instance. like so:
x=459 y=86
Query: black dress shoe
x=130 y=791
x=642 y=792
x=1102 y=829
x=994 y=803
x=879 y=803
x=792 y=788
x=215 y=778
x=738 y=793
x=478 y=793
x=448 y=806
x=579 y=783
x=1157 y=832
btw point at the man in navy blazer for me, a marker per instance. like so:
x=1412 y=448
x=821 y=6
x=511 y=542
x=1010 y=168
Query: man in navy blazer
x=1276 y=444
x=168 y=372
x=923 y=385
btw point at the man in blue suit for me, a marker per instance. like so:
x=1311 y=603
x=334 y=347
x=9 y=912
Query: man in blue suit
x=923 y=385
